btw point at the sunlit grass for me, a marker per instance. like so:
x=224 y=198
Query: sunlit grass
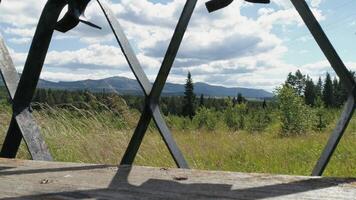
x=101 y=137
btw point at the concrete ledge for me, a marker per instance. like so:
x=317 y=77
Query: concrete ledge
x=20 y=179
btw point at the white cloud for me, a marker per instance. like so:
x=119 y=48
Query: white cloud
x=20 y=13
x=315 y=3
x=224 y=47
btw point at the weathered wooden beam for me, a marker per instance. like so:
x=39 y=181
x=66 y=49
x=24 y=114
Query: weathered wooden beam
x=22 y=125
x=152 y=93
x=341 y=70
x=22 y=90
x=335 y=137
x=324 y=43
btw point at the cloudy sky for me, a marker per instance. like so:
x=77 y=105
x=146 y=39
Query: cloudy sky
x=244 y=45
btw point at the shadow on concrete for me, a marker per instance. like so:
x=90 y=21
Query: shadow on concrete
x=48 y=170
x=5 y=168
x=120 y=188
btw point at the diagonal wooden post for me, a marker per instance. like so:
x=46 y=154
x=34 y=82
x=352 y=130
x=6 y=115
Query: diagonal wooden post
x=152 y=92
x=345 y=77
x=22 y=89
x=22 y=124
x=26 y=87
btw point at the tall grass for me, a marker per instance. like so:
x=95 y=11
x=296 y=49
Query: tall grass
x=76 y=135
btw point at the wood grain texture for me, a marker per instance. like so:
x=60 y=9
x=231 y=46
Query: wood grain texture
x=52 y=180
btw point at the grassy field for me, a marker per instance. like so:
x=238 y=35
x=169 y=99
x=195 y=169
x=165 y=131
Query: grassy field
x=93 y=137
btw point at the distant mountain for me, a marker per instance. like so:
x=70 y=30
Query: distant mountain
x=123 y=85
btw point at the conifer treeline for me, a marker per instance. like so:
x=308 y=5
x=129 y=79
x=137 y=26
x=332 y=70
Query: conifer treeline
x=330 y=91
x=175 y=105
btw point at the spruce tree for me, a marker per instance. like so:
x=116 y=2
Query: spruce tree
x=43 y=95
x=234 y=101
x=337 y=93
x=343 y=93
x=319 y=88
x=189 y=98
x=50 y=98
x=328 y=92
x=309 y=93
x=240 y=98
x=264 y=104
x=201 y=101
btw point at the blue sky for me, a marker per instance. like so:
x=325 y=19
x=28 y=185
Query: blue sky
x=244 y=45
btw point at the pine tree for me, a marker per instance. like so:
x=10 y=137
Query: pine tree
x=189 y=98
x=240 y=98
x=264 y=104
x=337 y=93
x=172 y=106
x=43 y=95
x=309 y=93
x=342 y=94
x=36 y=98
x=319 y=88
x=201 y=101
x=328 y=92
x=234 y=101
x=50 y=99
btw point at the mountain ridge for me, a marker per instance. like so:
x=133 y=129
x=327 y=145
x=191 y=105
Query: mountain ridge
x=127 y=86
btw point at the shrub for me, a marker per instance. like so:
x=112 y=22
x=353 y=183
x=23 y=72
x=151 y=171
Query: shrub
x=234 y=116
x=321 y=119
x=294 y=114
x=178 y=122
x=231 y=117
x=258 y=120
x=206 y=118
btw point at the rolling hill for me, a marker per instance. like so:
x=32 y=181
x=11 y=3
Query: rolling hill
x=125 y=85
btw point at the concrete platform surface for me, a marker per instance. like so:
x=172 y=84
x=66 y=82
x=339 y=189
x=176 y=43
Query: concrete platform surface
x=21 y=179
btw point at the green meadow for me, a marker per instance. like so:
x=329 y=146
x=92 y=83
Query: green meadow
x=91 y=136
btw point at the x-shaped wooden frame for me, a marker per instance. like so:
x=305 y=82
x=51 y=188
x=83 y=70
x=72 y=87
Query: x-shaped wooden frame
x=344 y=75
x=22 y=89
x=22 y=123
x=152 y=92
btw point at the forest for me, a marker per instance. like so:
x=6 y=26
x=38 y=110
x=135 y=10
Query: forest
x=290 y=130
x=299 y=98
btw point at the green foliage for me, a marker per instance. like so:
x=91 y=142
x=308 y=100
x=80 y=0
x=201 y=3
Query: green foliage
x=294 y=114
x=4 y=97
x=206 y=118
x=83 y=133
x=231 y=117
x=94 y=137
x=235 y=116
x=319 y=88
x=320 y=122
x=259 y=120
x=340 y=93
x=328 y=92
x=179 y=123
x=310 y=92
x=201 y=100
x=189 y=98
x=333 y=93
x=240 y=99
x=297 y=81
